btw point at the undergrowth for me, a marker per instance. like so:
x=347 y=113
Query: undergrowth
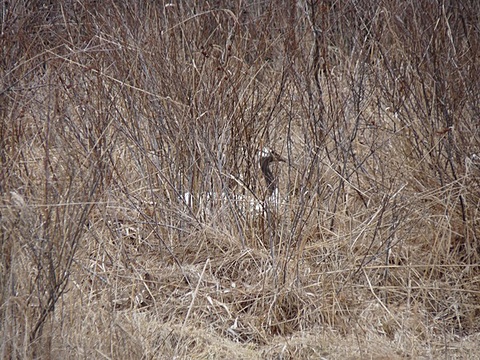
x=111 y=112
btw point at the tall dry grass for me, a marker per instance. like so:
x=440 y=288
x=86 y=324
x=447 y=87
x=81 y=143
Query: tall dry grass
x=112 y=111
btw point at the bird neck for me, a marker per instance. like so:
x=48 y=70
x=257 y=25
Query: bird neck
x=268 y=175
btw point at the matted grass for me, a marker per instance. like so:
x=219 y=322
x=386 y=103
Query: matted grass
x=111 y=113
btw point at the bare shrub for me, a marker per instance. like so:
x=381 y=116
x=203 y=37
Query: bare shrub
x=134 y=211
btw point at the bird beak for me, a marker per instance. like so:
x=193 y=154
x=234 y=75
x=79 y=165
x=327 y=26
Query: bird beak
x=278 y=157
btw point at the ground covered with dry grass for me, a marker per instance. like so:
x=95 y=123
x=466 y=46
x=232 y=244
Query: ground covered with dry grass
x=135 y=221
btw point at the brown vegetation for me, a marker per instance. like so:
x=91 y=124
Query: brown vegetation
x=111 y=111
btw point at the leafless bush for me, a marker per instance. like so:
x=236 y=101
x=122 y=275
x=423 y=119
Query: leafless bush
x=133 y=208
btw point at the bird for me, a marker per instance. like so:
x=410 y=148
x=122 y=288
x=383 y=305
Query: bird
x=266 y=157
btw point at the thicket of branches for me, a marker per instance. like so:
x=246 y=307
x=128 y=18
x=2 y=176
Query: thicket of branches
x=112 y=111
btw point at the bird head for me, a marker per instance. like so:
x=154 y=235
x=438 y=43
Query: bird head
x=267 y=155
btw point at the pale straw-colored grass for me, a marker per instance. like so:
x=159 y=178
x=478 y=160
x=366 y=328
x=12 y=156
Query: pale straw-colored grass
x=112 y=112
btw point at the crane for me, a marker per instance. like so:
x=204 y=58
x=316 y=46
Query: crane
x=266 y=158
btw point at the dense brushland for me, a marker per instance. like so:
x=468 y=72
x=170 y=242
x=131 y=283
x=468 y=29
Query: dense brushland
x=112 y=111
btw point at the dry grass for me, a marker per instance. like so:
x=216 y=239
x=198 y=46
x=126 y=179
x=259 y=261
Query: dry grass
x=110 y=113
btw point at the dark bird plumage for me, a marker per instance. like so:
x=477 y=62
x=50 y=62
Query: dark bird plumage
x=267 y=157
